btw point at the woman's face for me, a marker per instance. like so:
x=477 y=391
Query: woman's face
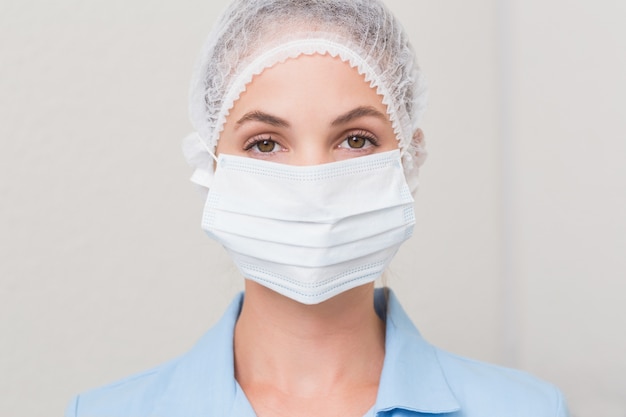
x=307 y=111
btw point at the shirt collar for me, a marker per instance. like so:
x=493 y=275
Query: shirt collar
x=412 y=378
x=203 y=382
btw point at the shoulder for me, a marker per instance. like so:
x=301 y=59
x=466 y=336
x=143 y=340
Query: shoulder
x=485 y=389
x=135 y=395
x=440 y=380
x=178 y=387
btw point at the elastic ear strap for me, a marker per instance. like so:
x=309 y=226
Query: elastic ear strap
x=204 y=145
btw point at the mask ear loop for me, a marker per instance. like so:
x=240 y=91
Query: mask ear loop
x=204 y=145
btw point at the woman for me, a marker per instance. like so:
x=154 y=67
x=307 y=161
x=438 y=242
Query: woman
x=308 y=143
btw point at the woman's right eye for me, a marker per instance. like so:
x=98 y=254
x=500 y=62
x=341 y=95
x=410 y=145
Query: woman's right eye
x=267 y=145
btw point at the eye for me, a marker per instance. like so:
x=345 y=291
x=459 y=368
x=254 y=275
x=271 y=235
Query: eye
x=262 y=145
x=358 y=140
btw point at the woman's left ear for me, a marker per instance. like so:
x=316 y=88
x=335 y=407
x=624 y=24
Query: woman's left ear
x=418 y=148
x=418 y=138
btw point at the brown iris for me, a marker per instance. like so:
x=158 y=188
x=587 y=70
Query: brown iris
x=266 y=145
x=356 y=142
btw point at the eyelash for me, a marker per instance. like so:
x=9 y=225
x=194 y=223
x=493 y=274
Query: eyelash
x=254 y=141
x=362 y=134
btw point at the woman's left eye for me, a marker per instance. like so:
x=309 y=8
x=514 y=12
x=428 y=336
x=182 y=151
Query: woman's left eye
x=359 y=140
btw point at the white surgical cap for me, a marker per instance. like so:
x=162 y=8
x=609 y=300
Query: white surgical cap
x=253 y=35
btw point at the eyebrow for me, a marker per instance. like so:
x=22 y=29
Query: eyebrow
x=361 y=111
x=259 y=116
x=356 y=113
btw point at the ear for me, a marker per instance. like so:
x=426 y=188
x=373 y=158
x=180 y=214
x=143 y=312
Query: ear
x=418 y=148
x=418 y=138
x=418 y=145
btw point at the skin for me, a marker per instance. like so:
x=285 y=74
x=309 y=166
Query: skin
x=293 y=359
x=295 y=105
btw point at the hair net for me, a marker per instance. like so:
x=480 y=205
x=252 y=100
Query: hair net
x=253 y=35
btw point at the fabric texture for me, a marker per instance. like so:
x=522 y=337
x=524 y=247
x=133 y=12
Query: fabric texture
x=310 y=232
x=418 y=379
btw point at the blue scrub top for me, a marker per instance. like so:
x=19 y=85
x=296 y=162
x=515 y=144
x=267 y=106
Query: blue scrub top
x=417 y=379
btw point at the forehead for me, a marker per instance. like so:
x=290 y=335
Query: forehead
x=309 y=83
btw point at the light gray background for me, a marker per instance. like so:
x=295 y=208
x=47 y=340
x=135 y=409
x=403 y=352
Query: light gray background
x=519 y=252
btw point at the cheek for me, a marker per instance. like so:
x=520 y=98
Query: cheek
x=391 y=144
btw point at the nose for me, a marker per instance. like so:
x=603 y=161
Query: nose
x=313 y=153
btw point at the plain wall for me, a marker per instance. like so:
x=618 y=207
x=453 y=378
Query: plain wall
x=519 y=253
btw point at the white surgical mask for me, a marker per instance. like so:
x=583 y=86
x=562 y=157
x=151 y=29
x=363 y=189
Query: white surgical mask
x=310 y=232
